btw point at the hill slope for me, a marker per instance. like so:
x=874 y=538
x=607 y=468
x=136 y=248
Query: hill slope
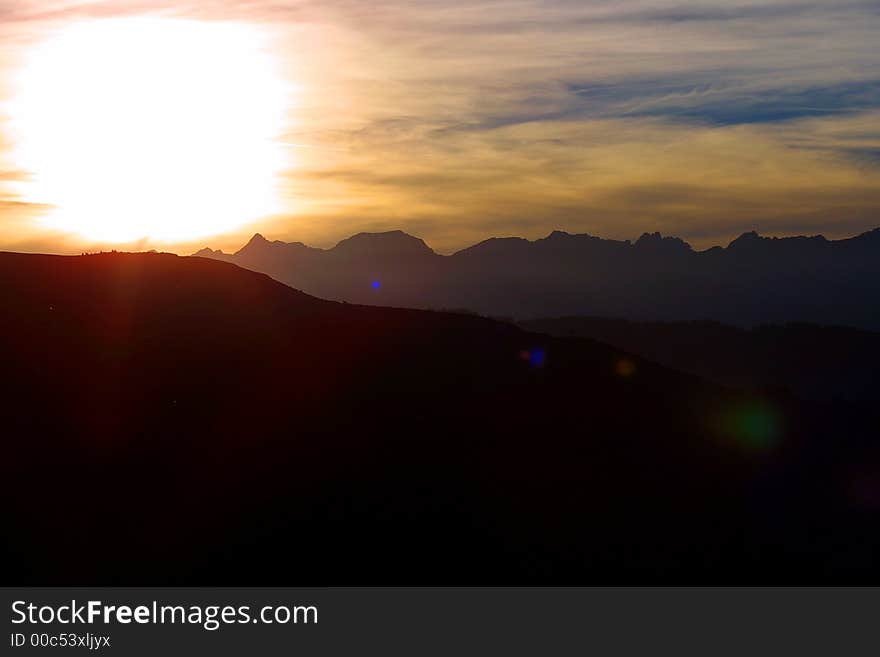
x=816 y=362
x=173 y=419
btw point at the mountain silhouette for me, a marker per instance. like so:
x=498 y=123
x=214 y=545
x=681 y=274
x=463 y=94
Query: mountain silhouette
x=754 y=280
x=181 y=420
x=816 y=362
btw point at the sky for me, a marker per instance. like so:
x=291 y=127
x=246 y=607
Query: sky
x=458 y=120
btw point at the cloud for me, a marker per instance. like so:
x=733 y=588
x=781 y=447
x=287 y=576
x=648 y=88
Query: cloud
x=463 y=119
x=612 y=177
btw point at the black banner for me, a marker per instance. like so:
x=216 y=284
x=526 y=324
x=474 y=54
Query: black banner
x=441 y=621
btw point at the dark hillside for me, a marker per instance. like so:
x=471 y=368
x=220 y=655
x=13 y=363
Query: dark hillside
x=173 y=419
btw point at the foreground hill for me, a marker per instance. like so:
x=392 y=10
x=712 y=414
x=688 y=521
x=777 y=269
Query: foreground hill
x=816 y=362
x=183 y=420
x=754 y=280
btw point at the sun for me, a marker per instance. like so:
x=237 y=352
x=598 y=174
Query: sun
x=165 y=129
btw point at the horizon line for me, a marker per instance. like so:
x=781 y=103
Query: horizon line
x=656 y=235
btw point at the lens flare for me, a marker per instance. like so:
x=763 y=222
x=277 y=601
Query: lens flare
x=754 y=426
x=536 y=357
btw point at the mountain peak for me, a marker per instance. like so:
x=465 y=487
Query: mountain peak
x=257 y=243
x=208 y=253
x=389 y=243
x=656 y=241
x=746 y=239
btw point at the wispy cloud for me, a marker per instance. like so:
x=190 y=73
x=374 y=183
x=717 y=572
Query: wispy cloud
x=465 y=118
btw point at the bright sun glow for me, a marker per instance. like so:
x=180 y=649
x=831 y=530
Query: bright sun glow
x=149 y=127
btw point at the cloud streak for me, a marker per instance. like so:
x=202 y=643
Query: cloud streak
x=462 y=119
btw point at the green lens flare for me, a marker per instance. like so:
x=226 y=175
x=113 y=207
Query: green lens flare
x=756 y=426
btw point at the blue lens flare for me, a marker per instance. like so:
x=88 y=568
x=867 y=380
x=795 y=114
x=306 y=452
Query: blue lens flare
x=536 y=356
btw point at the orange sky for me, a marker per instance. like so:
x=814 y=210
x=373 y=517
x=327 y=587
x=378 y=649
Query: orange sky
x=453 y=121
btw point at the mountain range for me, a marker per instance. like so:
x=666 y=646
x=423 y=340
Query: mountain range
x=180 y=420
x=754 y=280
